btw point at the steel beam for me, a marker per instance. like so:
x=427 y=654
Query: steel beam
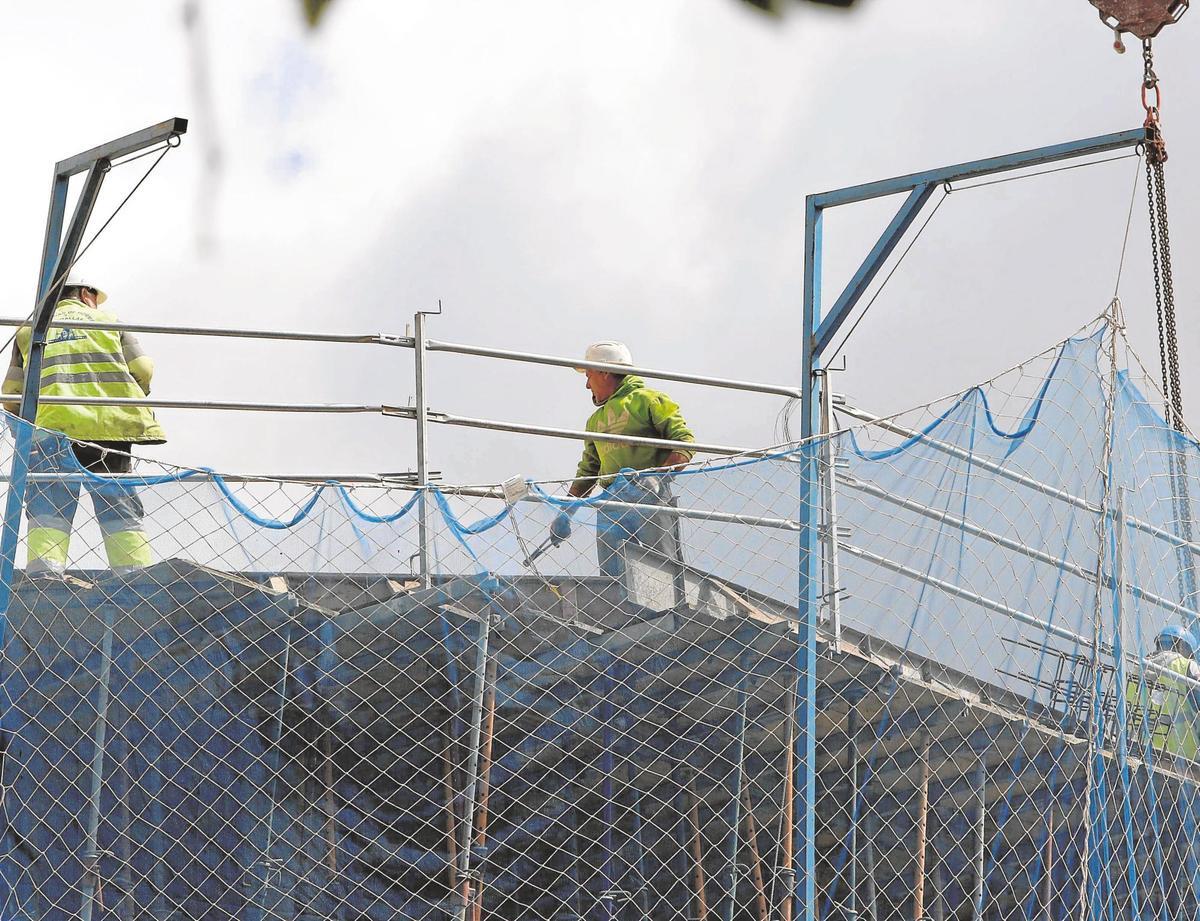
x=975 y=169
x=122 y=147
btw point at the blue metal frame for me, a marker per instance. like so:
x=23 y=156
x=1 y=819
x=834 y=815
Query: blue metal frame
x=818 y=334
x=59 y=253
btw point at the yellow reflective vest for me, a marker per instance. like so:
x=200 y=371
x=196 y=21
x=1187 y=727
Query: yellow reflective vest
x=1163 y=707
x=89 y=363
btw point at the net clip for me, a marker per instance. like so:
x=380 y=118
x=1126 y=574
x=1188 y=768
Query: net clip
x=515 y=488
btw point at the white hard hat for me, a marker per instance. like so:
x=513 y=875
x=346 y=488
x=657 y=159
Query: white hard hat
x=80 y=281
x=609 y=352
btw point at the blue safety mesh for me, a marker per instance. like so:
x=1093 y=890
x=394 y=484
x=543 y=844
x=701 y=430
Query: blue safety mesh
x=368 y=701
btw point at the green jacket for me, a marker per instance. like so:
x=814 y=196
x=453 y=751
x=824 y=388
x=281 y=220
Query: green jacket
x=632 y=410
x=89 y=363
x=1164 y=707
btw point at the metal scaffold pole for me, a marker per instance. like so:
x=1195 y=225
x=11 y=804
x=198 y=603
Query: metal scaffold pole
x=422 y=420
x=466 y=871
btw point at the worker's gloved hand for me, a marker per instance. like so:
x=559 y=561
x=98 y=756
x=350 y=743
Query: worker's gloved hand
x=560 y=528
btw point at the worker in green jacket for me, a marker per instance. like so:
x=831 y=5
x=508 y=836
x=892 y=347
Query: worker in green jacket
x=81 y=443
x=626 y=406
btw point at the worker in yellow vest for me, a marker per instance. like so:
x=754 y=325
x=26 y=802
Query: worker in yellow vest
x=1164 y=709
x=1163 y=714
x=85 y=363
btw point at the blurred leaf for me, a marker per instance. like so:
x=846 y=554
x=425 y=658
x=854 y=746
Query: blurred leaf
x=314 y=9
x=776 y=7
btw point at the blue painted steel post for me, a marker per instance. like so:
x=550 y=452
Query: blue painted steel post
x=55 y=262
x=817 y=335
x=810 y=580
x=58 y=255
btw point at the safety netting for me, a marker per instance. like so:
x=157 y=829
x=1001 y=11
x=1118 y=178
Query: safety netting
x=369 y=701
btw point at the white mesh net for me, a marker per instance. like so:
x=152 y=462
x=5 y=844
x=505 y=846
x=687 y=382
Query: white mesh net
x=282 y=719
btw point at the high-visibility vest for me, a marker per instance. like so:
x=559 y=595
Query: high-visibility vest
x=89 y=363
x=1161 y=709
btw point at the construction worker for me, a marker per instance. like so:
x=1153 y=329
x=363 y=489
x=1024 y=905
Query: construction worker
x=626 y=406
x=1164 y=711
x=1161 y=708
x=84 y=363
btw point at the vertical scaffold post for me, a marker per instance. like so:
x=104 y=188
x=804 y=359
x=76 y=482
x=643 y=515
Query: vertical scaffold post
x=852 y=773
x=485 y=781
x=571 y=794
x=735 y=799
x=422 y=419
x=1048 y=865
x=1119 y=638
x=922 y=828
x=756 y=864
x=697 y=849
x=610 y=895
x=483 y=652
x=449 y=797
x=679 y=862
x=56 y=258
x=91 y=853
x=809 y=579
x=788 y=873
x=870 y=891
x=828 y=461
x=978 y=864
x=937 y=911
x=639 y=849
x=262 y=905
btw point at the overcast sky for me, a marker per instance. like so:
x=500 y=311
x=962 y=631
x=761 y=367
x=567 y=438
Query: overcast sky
x=557 y=173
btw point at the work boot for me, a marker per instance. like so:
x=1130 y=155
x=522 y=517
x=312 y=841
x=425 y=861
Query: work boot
x=126 y=570
x=45 y=570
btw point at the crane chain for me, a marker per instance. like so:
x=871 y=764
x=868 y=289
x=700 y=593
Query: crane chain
x=1160 y=245
x=1164 y=302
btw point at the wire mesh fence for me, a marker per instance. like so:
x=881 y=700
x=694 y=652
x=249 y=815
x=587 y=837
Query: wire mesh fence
x=597 y=708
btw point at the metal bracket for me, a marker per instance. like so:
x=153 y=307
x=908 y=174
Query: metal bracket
x=1143 y=18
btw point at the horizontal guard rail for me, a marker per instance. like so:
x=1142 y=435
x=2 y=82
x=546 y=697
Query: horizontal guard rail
x=221 y=332
x=458 y=348
x=406 y=412
x=432 y=345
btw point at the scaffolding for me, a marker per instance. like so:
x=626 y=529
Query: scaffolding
x=905 y=668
